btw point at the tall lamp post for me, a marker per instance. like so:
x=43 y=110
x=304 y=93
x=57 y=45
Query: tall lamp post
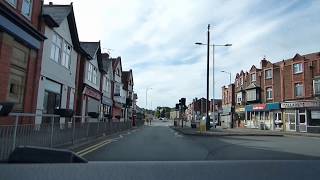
x=229 y=75
x=213 y=48
x=147 y=99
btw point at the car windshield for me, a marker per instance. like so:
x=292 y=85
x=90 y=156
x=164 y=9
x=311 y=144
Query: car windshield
x=161 y=80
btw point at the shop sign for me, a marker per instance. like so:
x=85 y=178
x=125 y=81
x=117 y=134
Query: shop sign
x=259 y=107
x=242 y=109
x=92 y=93
x=299 y=104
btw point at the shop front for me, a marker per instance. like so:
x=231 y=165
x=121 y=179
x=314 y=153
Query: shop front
x=117 y=112
x=92 y=99
x=302 y=116
x=264 y=116
x=226 y=117
x=239 y=116
x=106 y=108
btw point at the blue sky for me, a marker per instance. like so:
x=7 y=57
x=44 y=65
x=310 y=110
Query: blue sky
x=156 y=39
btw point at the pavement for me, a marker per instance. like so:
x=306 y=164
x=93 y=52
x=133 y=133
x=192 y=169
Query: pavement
x=158 y=142
x=240 y=132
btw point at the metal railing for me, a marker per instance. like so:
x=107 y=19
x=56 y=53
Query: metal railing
x=55 y=131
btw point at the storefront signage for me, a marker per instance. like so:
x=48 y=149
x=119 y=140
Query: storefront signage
x=240 y=109
x=92 y=93
x=298 y=104
x=259 y=107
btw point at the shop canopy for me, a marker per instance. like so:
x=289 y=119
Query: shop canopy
x=263 y=107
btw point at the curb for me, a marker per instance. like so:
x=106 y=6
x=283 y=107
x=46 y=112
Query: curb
x=220 y=134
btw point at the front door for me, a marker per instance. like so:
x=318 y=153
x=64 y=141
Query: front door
x=292 y=121
x=51 y=102
x=302 y=121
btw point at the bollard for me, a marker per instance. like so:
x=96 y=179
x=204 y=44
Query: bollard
x=51 y=135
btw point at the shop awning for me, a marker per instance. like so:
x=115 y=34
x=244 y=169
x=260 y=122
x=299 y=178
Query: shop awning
x=263 y=107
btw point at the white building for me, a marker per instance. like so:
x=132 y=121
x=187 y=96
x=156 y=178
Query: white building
x=61 y=51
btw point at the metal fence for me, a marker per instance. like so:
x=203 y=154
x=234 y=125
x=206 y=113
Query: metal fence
x=53 y=133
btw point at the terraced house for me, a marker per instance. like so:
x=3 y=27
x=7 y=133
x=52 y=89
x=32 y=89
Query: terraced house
x=281 y=96
x=61 y=54
x=21 y=41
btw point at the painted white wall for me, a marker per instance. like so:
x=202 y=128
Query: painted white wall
x=94 y=62
x=52 y=70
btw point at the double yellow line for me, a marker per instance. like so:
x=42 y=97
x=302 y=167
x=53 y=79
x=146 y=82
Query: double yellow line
x=94 y=147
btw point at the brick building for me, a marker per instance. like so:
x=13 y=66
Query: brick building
x=280 y=96
x=21 y=41
x=228 y=104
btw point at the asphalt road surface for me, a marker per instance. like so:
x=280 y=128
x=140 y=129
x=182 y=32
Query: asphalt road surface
x=160 y=143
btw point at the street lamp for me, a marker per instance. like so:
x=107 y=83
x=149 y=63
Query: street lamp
x=229 y=75
x=147 y=97
x=212 y=45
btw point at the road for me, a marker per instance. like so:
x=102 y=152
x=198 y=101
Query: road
x=160 y=143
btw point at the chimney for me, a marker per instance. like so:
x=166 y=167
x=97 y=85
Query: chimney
x=50 y=3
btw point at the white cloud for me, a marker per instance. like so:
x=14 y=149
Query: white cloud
x=156 y=38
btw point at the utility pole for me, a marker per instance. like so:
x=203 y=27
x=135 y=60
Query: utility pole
x=208 y=57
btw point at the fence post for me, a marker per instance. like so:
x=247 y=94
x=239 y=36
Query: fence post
x=51 y=134
x=73 y=129
x=15 y=132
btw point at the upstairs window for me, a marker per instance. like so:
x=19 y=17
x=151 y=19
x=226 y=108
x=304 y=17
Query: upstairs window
x=241 y=81
x=268 y=74
x=316 y=86
x=269 y=93
x=297 y=68
x=298 y=90
x=66 y=57
x=56 y=47
x=12 y=2
x=26 y=8
x=253 y=77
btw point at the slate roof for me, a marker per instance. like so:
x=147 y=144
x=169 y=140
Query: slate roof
x=90 y=47
x=57 y=12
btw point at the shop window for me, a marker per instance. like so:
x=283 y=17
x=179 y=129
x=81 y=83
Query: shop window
x=266 y=115
x=248 y=115
x=314 y=117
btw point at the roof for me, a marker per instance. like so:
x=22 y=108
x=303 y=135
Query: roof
x=125 y=78
x=90 y=47
x=54 y=15
x=297 y=55
x=252 y=86
x=57 y=12
x=115 y=62
x=106 y=62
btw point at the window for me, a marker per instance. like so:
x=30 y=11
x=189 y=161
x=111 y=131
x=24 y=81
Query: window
x=92 y=74
x=90 y=70
x=253 y=77
x=297 y=68
x=298 y=90
x=268 y=74
x=12 y=2
x=27 y=8
x=239 y=97
x=237 y=83
x=56 y=48
x=241 y=81
x=252 y=95
x=316 y=86
x=117 y=90
x=66 y=57
x=269 y=93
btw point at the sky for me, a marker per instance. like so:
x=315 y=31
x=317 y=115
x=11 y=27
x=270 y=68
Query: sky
x=155 y=38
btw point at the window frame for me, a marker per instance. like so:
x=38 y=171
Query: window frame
x=265 y=73
x=55 y=45
x=269 y=91
x=90 y=70
x=66 y=63
x=301 y=68
x=30 y=10
x=255 y=77
x=11 y=3
x=295 y=89
x=314 y=87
